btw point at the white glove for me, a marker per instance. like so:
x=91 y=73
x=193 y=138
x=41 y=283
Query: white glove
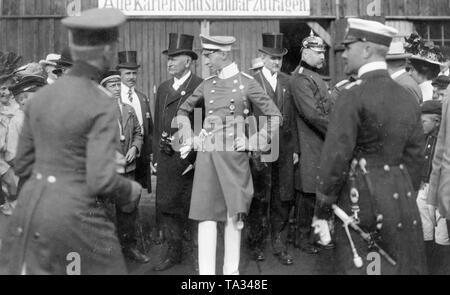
x=321 y=228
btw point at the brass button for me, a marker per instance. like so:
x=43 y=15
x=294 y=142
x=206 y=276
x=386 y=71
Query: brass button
x=396 y=196
x=232 y=100
x=213 y=91
x=401 y=167
x=37 y=235
x=210 y=112
x=214 y=82
x=235 y=81
x=234 y=90
x=19 y=230
x=211 y=101
x=39 y=176
x=415 y=222
x=387 y=168
x=409 y=194
x=51 y=179
x=399 y=225
x=241 y=87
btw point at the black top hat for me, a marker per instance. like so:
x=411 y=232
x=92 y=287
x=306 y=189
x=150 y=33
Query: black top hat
x=273 y=44
x=180 y=44
x=128 y=60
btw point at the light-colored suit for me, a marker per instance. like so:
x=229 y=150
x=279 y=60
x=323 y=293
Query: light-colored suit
x=408 y=82
x=439 y=194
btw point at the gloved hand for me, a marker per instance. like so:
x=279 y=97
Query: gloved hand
x=321 y=228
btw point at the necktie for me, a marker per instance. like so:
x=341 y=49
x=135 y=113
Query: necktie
x=130 y=95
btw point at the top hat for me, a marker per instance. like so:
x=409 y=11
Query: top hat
x=128 y=60
x=180 y=44
x=273 y=44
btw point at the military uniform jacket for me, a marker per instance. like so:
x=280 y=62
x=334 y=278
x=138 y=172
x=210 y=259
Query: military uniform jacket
x=222 y=180
x=376 y=120
x=132 y=134
x=313 y=104
x=173 y=190
x=67 y=152
x=288 y=143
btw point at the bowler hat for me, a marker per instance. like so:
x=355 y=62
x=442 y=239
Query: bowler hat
x=180 y=44
x=273 y=44
x=128 y=60
x=65 y=60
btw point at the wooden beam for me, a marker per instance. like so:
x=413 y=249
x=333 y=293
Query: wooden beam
x=319 y=30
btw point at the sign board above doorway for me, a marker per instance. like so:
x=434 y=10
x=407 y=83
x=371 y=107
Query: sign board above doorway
x=210 y=8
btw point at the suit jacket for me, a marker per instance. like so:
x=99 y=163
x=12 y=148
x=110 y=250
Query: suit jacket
x=288 y=141
x=132 y=133
x=173 y=190
x=313 y=104
x=439 y=193
x=143 y=173
x=67 y=152
x=408 y=82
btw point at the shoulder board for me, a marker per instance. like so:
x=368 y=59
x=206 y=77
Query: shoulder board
x=342 y=83
x=357 y=82
x=103 y=89
x=210 y=77
x=247 y=75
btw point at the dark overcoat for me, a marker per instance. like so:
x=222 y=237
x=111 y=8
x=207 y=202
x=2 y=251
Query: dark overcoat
x=143 y=173
x=67 y=152
x=222 y=181
x=313 y=104
x=288 y=142
x=376 y=119
x=173 y=190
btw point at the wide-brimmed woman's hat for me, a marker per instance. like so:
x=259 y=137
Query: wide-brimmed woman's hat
x=423 y=50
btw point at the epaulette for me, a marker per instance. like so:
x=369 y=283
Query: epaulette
x=103 y=89
x=247 y=75
x=210 y=77
x=357 y=82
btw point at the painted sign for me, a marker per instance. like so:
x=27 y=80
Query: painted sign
x=210 y=8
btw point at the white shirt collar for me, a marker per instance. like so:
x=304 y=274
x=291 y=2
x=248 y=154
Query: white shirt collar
x=427 y=90
x=229 y=71
x=372 y=66
x=178 y=82
x=398 y=74
x=125 y=88
x=272 y=79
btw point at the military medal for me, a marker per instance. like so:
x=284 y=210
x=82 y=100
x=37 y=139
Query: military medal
x=246 y=112
x=183 y=93
x=122 y=138
x=232 y=107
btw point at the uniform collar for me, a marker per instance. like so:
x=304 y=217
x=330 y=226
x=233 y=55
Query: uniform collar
x=83 y=69
x=370 y=67
x=229 y=71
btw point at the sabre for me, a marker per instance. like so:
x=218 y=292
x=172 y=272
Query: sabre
x=348 y=221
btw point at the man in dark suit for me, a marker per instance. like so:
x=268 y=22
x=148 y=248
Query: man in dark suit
x=313 y=105
x=372 y=162
x=128 y=69
x=274 y=182
x=175 y=175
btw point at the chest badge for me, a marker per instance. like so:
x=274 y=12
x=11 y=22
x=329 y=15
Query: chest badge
x=183 y=93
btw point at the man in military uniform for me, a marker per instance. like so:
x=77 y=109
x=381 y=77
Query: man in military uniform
x=128 y=68
x=372 y=161
x=274 y=182
x=223 y=188
x=175 y=175
x=313 y=105
x=67 y=154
